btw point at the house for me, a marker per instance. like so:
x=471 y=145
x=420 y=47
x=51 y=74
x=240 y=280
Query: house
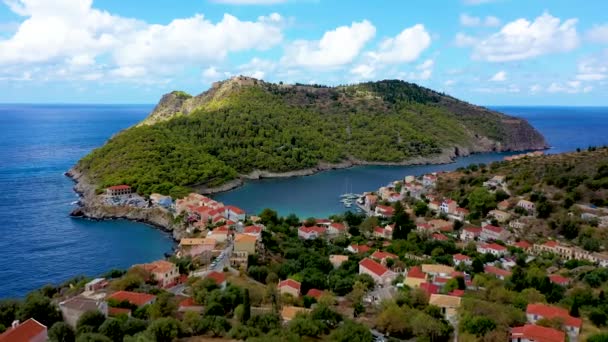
x=448 y=304
x=461 y=213
x=119 y=190
x=337 y=260
x=448 y=206
x=429 y=180
x=73 y=308
x=311 y=233
x=499 y=215
x=384 y=233
x=559 y=280
x=234 y=213
x=336 y=228
x=315 y=293
x=188 y=304
x=378 y=272
x=384 y=211
x=529 y=206
x=245 y=243
x=196 y=246
x=290 y=312
x=495 y=181
x=470 y=233
x=115 y=312
x=164 y=272
x=383 y=256
x=425 y=228
x=442 y=225
x=95 y=285
x=437 y=270
x=462 y=259
x=218 y=277
x=359 y=249
x=497 y=272
x=29 y=331
x=535 y=312
x=503 y=205
x=523 y=244
x=414 y=277
x=239 y=259
x=136 y=298
x=555 y=247
x=429 y=289
x=490 y=232
x=290 y=286
x=253 y=231
x=492 y=248
x=434 y=205
x=163 y=201
x=220 y=234
x=370 y=201
x=536 y=333
x=439 y=237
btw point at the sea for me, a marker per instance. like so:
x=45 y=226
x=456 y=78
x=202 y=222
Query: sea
x=41 y=244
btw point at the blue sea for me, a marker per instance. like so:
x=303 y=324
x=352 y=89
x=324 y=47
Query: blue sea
x=41 y=244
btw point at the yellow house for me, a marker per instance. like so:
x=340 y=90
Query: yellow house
x=448 y=304
x=245 y=243
x=437 y=270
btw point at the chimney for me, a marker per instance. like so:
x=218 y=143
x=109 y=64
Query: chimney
x=15 y=323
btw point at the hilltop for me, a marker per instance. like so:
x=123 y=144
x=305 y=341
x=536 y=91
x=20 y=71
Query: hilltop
x=244 y=126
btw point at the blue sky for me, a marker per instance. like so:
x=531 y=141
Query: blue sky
x=490 y=52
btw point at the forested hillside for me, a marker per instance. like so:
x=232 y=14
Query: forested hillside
x=243 y=124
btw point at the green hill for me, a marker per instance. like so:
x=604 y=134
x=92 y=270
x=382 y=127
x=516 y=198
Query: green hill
x=243 y=124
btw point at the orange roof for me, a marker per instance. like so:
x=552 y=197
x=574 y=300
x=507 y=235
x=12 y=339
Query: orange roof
x=548 y=311
x=338 y=226
x=218 y=277
x=24 y=331
x=474 y=230
x=235 y=210
x=245 y=238
x=557 y=279
x=497 y=271
x=118 y=311
x=307 y=230
x=158 y=266
x=429 y=288
x=492 y=228
x=373 y=267
x=416 y=272
x=316 y=294
x=252 y=230
x=551 y=244
x=461 y=257
x=188 y=302
x=522 y=244
x=360 y=248
x=119 y=187
x=290 y=283
x=537 y=333
x=135 y=298
x=439 y=237
x=457 y=293
x=493 y=246
x=383 y=255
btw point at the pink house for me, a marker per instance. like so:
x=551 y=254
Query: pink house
x=311 y=233
x=384 y=211
x=196 y=246
x=490 y=232
x=470 y=233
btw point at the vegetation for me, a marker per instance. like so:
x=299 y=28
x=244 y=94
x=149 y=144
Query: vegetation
x=267 y=127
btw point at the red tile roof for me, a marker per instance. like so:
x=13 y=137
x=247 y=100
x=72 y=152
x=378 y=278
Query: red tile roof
x=416 y=272
x=135 y=298
x=457 y=293
x=119 y=187
x=551 y=244
x=379 y=230
x=373 y=267
x=338 y=226
x=537 y=333
x=290 y=283
x=308 y=230
x=252 y=230
x=316 y=294
x=218 y=277
x=387 y=210
x=492 y=228
x=440 y=280
x=429 y=288
x=559 y=280
x=494 y=246
x=23 y=332
x=188 y=302
x=360 y=248
x=549 y=311
x=440 y=237
x=383 y=255
x=461 y=257
x=497 y=271
x=113 y=312
x=235 y=210
x=522 y=244
x=473 y=230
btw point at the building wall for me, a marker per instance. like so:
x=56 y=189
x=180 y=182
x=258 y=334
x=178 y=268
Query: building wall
x=287 y=289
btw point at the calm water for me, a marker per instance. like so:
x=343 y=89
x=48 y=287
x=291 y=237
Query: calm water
x=40 y=244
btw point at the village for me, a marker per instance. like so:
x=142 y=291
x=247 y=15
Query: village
x=226 y=246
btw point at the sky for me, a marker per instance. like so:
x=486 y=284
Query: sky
x=488 y=52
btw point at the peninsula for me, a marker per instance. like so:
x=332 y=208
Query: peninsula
x=247 y=128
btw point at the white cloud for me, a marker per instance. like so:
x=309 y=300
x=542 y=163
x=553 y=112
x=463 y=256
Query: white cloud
x=448 y=83
x=535 y=88
x=211 y=73
x=67 y=38
x=472 y=21
x=336 y=48
x=593 y=69
x=423 y=72
x=512 y=88
x=570 y=87
x=598 y=34
x=464 y=40
x=363 y=71
x=500 y=76
x=406 y=47
x=522 y=39
x=249 y=2
x=257 y=68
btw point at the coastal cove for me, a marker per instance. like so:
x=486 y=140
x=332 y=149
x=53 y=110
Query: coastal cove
x=64 y=247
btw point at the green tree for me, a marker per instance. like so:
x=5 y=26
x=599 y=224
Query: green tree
x=574 y=309
x=165 y=329
x=421 y=208
x=403 y=224
x=61 y=332
x=478 y=325
x=599 y=337
x=598 y=317
x=163 y=306
x=368 y=225
x=246 y=306
x=269 y=216
x=480 y=202
x=89 y=322
x=40 y=308
x=8 y=311
x=351 y=332
x=92 y=337
x=112 y=328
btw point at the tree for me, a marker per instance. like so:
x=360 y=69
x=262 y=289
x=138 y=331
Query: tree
x=61 y=332
x=112 y=328
x=216 y=324
x=393 y=320
x=598 y=317
x=164 y=329
x=478 y=325
x=90 y=322
x=92 y=337
x=163 y=306
x=368 y=225
x=269 y=216
x=351 y=332
x=421 y=208
x=574 y=309
x=246 y=306
x=40 y=308
x=480 y=202
x=600 y=337
x=8 y=311
x=403 y=224
x=304 y=325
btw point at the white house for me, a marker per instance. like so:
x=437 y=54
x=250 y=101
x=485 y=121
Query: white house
x=380 y=274
x=535 y=312
x=492 y=248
